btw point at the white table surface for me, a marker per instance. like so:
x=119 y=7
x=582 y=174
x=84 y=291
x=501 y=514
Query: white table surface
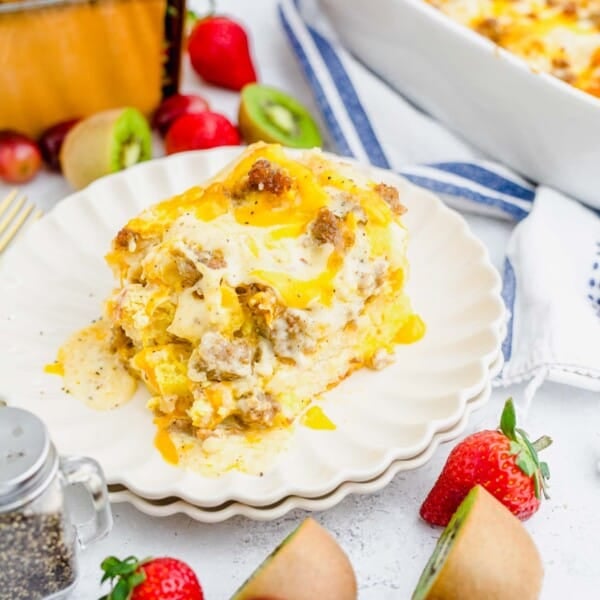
x=387 y=542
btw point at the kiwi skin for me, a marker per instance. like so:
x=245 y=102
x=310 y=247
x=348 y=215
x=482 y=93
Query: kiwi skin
x=269 y=115
x=308 y=564
x=484 y=552
x=104 y=143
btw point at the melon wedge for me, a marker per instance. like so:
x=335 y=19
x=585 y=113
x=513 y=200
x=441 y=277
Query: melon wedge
x=307 y=565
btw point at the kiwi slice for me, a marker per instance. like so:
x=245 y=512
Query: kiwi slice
x=484 y=552
x=104 y=143
x=308 y=563
x=269 y=115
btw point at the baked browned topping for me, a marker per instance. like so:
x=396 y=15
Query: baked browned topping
x=392 y=197
x=126 y=239
x=489 y=27
x=327 y=228
x=263 y=176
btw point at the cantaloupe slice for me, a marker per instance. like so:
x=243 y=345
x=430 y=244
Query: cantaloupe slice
x=308 y=565
x=485 y=553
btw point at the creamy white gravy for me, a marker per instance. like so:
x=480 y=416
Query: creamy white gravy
x=92 y=373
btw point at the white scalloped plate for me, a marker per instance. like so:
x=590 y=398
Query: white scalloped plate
x=53 y=281
x=167 y=507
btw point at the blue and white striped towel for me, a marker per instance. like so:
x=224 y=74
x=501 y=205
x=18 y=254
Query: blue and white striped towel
x=552 y=272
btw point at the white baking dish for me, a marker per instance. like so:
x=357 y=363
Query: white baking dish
x=541 y=127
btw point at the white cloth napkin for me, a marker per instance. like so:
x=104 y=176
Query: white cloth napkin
x=552 y=272
x=552 y=290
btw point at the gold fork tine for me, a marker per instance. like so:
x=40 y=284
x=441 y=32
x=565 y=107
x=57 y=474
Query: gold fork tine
x=9 y=231
x=12 y=211
x=9 y=198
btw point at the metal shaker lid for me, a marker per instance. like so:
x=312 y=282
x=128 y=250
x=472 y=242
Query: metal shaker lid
x=28 y=460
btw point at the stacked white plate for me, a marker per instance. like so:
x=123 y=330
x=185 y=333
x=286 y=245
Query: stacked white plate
x=54 y=279
x=166 y=507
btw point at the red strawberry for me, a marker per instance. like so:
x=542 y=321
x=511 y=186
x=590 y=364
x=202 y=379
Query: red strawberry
x=504 y=462
x=197 y=132
x=151 y=579
x=220 y=53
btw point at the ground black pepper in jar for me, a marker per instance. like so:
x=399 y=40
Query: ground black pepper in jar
x=36 y=559
x=38 y=541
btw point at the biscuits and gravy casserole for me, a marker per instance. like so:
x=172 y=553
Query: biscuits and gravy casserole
x=239 y=302
x=560 y=37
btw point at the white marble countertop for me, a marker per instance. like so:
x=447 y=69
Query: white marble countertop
x=387 y=542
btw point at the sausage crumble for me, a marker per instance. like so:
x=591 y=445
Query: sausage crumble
x=263 y=176
x=391 y=196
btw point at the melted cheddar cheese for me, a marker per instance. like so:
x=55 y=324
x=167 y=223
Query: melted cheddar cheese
x=559 y=37
x=241 y=301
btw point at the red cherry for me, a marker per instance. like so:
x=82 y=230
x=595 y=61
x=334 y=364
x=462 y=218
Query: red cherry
x=20 y=157
x=197 y=132
x=175 y=106
x=51 y=142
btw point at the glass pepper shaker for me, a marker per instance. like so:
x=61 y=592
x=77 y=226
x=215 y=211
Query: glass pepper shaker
x=38 y=538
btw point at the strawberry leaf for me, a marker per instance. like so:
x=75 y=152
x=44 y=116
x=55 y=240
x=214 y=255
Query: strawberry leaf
x=107 y=565
x=129 y=565
x=121 y=590
x=526 y=463
x=542 y=443
x=508 y=420
x=137 y=578
x=127 y=574
x=542 y=473
x=536 y=484
x=515 y=448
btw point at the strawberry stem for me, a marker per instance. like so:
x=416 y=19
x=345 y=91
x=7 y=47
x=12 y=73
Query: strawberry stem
x=192 y=17
x=526 y=452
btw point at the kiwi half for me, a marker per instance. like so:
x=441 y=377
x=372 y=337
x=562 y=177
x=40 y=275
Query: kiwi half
x=104 y=143
x=308 y=564
x=269 y=115
x=484 y=552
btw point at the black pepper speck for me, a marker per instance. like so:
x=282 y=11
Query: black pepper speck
x=36 y=561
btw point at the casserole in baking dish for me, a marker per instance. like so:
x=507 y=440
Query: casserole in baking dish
x=560 y=37
x=503 y=103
